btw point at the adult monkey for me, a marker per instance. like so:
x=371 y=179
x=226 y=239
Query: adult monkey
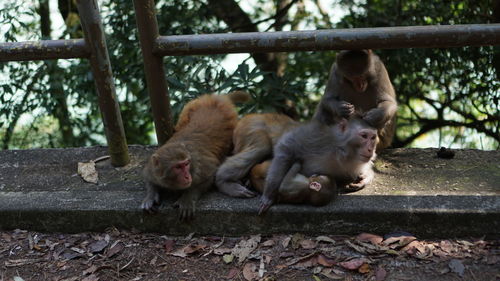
x=359 y=82
x=343 y=152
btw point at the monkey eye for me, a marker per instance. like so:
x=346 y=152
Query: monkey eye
x=364 y=135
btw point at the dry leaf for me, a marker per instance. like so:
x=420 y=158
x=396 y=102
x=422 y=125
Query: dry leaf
x=353 y=264
x=87 y=171
x=228 y=258
x=457 y=267
x=232 y=273
x=325 y=261
x=286 y=241
x=222 y=251
x=97 y=246
x=296 y=238
x=330 y=274
x=169 y=245
x=18 y=278
x=187 y=250
x=92 y=277
x=268 y=243
x=115 y=249
x=250 y=272
x=325 y=239
x=89 y=270
x=446 y=246
x=368 y=237
x=380 y=274
x=307 y=244
x=245 y=247
x=364 y=268
x=398 y=239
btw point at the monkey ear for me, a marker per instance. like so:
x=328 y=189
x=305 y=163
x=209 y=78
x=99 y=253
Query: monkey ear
x=343 y=124
x=155 y=160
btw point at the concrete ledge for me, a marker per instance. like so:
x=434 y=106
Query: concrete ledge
x=40 y=191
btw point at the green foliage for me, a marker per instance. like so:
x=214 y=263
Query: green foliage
x=454 y=91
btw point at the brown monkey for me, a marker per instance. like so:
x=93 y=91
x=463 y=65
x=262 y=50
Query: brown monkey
x=254 y=138
x=296 y=188
x=359 y=82
x=189 y=159
x=344 y=152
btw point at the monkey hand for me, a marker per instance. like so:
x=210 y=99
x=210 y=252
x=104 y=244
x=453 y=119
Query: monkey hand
x=345 y=109
x=265 y=204
x=151 y=203
x=374 y=117
x=186 y=209
x=359 y=184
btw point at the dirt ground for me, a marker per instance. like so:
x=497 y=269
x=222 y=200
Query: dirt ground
x=125 y=255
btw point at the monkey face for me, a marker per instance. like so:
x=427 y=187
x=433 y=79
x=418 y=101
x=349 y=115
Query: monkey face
x=172 y=171
x=359 y=83
x=367 y=139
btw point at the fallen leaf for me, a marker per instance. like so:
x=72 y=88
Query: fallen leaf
x=222 y=251
x=368 y=237
x=21 y=262
x=250 y=271
x=245 y=247
x=307 y=244
x=232 y=273
x=398 y=239
x=97 y=246
x=296 y=238
x=92 y=277
x=316 y=278
x=325 y=261
x=87 y=171
x=89 y=270
x=353 y=264
x=17 y=278
x=364 y=268
x=380 y=274
x=187 y=250
x=325 y=239
x=285 y=242
x=115 y=249
x=330 y=274
x=227 y=258
x=262 y=267
x=69 y=255
x=457 y=267
x=446 y=246
x=169 y=245
x=268 y=243
x=307 y=262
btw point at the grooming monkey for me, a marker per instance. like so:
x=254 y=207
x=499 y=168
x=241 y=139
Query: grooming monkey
x=359 y=82
x=343 y=152
x=254 y=138
x=188 y=161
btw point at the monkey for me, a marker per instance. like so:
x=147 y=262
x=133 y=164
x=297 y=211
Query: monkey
x=344 y=151
x=359 y=81
x=316 y=190
x=188 y=161
x=253 y=139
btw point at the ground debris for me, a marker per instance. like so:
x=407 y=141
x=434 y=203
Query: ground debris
x=124 y=255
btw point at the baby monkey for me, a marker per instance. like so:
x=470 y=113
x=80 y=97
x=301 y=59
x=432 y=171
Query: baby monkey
x=316 y=190
x=188 y=161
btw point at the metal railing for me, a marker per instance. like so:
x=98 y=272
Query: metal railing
x=154 y=47
x=93 y=48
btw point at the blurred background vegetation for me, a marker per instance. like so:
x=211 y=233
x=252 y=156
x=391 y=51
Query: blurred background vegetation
x=448 y=97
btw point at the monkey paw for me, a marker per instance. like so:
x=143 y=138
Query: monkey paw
x=265 y=204
x=346 y=109
x=186 y=210
x=150 y=206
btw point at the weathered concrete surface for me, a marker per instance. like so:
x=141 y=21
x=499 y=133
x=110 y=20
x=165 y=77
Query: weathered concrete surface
x=413 y=191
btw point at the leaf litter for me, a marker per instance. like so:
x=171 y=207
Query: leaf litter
x=125 y=255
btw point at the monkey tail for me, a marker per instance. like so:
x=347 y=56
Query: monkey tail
x=239 y=96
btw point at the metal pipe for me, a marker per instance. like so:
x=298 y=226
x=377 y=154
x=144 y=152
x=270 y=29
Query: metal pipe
x=43 y=50
x=154 y=70
x=103 y=77
x=332 y=39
